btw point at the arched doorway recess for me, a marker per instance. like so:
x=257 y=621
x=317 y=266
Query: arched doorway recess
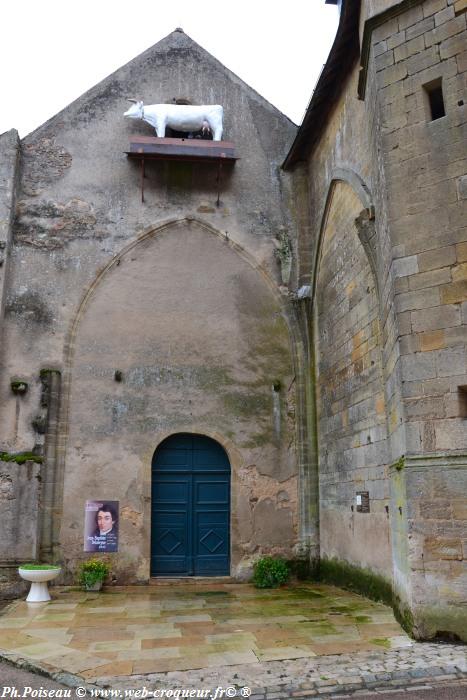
x=190 y=508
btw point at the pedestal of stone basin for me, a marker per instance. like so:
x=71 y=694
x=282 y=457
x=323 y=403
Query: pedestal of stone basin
x=39 y=578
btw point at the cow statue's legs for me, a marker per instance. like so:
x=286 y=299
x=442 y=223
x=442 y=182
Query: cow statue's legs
x=216 y=128
x=160 y=128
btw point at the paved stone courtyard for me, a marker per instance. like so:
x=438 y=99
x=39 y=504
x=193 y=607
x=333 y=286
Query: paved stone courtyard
x=135 y=631
x=302 y=641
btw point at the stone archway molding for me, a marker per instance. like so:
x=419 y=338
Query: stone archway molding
x=364 y=223
x=296 y=349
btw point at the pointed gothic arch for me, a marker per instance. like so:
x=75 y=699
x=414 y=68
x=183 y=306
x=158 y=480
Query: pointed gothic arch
x=284 y=317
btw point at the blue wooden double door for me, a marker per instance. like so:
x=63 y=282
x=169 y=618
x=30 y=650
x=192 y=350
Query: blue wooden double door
x=190 y=528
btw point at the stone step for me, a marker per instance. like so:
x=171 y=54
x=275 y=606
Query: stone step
x=191 y=580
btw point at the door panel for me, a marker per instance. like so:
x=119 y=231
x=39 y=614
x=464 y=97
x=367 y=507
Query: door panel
x=190 y=508
x=211 y=511
x=171 y=517
x=208 y=492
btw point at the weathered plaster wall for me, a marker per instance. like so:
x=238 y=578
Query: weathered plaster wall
x=20 y=491
x=79 y=207
x=9 y=162
x=19 y=506
x=350 y=394
x=80 y=196
x=176 y=318
x=9 y=170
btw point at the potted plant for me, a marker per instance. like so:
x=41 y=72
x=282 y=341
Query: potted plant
x=91 y=574
x=38 y=575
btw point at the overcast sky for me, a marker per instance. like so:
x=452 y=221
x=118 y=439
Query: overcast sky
x=52 y=51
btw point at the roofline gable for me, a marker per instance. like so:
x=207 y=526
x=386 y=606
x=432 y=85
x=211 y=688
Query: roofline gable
x=106 y=83
x=344 y=52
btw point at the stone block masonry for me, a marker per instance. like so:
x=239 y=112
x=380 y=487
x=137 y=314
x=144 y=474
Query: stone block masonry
x=434 y=293
x=355 y=390
x=403 y=378
x=425 y=166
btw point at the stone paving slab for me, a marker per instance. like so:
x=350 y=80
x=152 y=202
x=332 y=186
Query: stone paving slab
x=420 y=664
x=423 y=666
x=185 y=628
x=299 y=642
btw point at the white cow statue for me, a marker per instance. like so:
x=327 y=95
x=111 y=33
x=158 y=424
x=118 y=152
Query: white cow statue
x=184 y=118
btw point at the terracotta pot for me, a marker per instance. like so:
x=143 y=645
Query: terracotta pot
x=95 y=586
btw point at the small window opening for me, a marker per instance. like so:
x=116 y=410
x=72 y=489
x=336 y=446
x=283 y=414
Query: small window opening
x=434 y=93
x=463 y=401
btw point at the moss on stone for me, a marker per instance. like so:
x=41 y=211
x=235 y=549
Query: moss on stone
x=258 y=440
x=403 y=614
x=44 y=372
x=400 y=464
x=367 y=583
x=443 y=622
x=245 y=405
x=302 y=569
x=381 y=643
x=362 y=619
x=19 y=386
x=353 y=578
x=212 y=377
x=320 y=627
x=20 y=457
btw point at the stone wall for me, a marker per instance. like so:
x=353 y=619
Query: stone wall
x=78 y=215
x=374 y=219
x=350 y=395
x=437 y=517
x=9 y=162
x=425 y=170
x=175 y=319
x=354 y=396
x=20 y=487
x=410 y=171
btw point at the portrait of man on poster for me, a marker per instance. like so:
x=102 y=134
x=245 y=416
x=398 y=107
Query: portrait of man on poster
x=101 y=526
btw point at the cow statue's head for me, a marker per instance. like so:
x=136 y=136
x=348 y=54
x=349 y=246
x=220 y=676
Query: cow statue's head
x=136 y=110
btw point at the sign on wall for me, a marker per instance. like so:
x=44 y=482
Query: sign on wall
x=101 y=526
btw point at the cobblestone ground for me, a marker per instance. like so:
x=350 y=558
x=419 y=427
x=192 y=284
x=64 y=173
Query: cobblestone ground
x=417 y=666
x=420 y=667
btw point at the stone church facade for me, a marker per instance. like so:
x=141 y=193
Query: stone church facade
x=303 y=309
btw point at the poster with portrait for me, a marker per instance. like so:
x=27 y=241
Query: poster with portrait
x=101 y=526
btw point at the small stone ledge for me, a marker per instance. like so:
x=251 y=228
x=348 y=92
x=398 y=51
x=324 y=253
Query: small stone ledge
x=434 y=460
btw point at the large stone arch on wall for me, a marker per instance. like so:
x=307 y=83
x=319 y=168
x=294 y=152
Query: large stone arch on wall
x=182 y=332
x=350 y=394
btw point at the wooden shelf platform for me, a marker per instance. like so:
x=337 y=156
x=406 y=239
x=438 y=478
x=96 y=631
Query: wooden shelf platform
x=150 y=148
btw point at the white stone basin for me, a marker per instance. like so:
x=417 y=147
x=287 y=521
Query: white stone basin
x=39 y=578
